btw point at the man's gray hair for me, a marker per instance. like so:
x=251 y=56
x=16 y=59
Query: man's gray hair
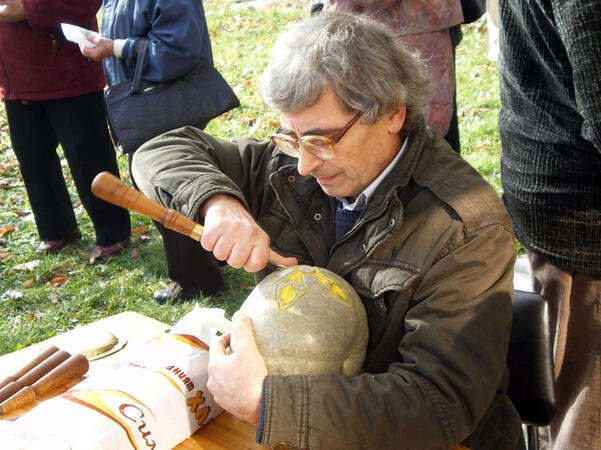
x=366 y=66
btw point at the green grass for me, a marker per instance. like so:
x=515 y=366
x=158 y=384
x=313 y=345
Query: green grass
x=59 y=292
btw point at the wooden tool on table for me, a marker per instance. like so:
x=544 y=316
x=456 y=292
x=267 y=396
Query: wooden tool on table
x=44 y=354
x=69 y=370
x=110 y=188
x=34 y=374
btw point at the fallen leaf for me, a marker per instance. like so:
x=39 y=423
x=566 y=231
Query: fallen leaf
x=144 y=229
x=6 y=229
x=58 y=281
x=28 y=282
x=5 y=256
x=8 y=183
x=30 y=316
x=247 y=119
x=59 y=272
x=135 y=255
x=28 y=266
x=14 y=295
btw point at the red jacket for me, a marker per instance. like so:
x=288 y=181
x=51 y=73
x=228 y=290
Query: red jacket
x=37 y=62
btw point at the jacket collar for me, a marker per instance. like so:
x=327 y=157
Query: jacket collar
x=401 y=172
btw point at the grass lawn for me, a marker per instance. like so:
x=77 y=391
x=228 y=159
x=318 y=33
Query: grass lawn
x=41 y=296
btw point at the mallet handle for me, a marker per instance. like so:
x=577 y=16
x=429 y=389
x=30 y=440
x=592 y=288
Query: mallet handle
x=110 y=188
x=34 y=374
x=71 y=369
x=44 y=354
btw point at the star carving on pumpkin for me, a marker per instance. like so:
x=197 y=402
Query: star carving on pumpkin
x=291 y=288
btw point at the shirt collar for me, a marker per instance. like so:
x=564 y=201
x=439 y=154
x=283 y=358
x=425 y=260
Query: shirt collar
x=363 y=197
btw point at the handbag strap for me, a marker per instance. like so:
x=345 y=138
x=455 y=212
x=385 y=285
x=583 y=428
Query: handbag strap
x=142 y=56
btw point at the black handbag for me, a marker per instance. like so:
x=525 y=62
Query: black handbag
x=139 y=110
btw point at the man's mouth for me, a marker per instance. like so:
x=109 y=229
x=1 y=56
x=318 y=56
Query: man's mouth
x=323 y=178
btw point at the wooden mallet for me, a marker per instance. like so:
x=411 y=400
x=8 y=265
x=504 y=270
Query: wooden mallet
x=69 y=370
x=34 y=374
x=111 y=189
x=44 y=354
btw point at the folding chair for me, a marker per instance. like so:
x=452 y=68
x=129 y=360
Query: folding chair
x=530 y=362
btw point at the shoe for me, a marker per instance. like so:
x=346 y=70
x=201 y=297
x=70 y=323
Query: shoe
x=55 y=246
x=173 y=292
x=101 y=252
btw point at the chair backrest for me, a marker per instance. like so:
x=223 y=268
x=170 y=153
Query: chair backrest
x=530 y=360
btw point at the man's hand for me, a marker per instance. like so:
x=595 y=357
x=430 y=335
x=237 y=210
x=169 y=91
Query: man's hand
x=104 y=47
x=11 y=11
x=232 y=234
x=237 y=371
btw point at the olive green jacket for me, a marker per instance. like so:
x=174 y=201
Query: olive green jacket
x=432 y=258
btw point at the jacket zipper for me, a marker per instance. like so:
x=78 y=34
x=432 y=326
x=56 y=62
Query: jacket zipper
x=54 y=43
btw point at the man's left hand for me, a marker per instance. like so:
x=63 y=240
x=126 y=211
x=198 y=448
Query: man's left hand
x=237 y=371
x=11 y=11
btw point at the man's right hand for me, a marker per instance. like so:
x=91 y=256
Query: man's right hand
x=232 y=234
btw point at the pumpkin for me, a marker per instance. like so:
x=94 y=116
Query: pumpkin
x=308 y=320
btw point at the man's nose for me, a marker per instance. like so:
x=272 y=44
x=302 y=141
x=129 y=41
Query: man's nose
x=307 y=161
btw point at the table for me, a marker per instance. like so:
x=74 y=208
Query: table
x=224 y=433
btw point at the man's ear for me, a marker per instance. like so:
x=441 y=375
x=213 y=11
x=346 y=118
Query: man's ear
x=395 y=119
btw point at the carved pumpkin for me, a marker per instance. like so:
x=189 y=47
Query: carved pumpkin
x=308 y=320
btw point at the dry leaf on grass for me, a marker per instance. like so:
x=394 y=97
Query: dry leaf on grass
x=27 y=266
x=58 y=281
x=6 y=229
x=5 y=255
x=144 y=229
x=247 y=119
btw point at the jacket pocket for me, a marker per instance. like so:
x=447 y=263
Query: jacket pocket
x=374 y=279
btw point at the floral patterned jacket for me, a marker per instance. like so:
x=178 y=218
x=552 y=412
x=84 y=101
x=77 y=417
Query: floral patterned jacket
x=424 y=26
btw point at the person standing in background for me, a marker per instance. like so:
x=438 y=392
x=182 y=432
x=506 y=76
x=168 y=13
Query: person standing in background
x=431 y=28
x=550 y=124
x=178 y=39
x=53 y=95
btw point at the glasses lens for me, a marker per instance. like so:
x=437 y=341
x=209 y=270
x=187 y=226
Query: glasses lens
x=321 y=147
x=285 y=144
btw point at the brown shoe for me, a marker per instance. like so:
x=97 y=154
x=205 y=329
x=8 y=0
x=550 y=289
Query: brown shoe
x=101 y=252
x=55 y=246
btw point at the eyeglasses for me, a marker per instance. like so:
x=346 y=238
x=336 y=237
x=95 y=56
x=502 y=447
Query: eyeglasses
x=319 y=146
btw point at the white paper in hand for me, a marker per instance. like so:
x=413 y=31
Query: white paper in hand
x=77 y=34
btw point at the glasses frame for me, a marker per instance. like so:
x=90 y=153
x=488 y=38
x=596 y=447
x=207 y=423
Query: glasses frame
x=295 y=143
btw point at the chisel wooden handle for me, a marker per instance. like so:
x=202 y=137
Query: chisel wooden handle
x=110 y=188
x=69 y=370
x=34 y=374
x=44 y=354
